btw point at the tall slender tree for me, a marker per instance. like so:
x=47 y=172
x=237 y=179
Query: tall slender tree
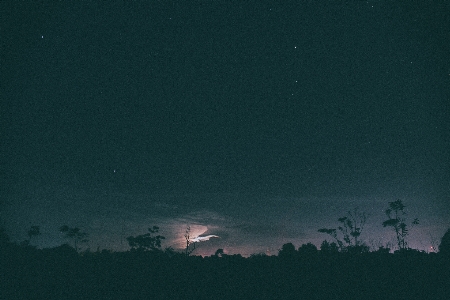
x=189 y=242
x=396 y=214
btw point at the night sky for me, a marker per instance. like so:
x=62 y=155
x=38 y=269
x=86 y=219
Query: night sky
x=258 y=123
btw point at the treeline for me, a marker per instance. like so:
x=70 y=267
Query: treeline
x=342 y=269
x=346 y=237
x=306 y=273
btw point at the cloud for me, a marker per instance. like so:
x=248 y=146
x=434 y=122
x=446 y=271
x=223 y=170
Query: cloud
x=203 y=238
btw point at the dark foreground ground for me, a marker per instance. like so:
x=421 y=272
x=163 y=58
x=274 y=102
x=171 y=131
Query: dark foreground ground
x=27 y=273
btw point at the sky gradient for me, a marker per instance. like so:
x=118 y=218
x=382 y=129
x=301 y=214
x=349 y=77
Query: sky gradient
x=256 y=123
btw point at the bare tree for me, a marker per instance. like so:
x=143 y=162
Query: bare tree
x=189 y=242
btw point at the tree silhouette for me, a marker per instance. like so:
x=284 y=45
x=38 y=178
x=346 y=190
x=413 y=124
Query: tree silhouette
x=382 y=250
x=34 y=231
x=350 y=229
x=332 y=232
x=219 y=253
x=287 y=251
x=75 y=234
x=146 y=242
x=308 y=250
x=189 y=242
x=170 y=252
x=329 y=248
x=395 y=213
x=444 y=246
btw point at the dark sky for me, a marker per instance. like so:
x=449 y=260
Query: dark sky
x=259 y=123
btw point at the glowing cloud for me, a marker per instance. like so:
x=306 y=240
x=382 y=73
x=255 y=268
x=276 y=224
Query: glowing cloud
x=203 y=238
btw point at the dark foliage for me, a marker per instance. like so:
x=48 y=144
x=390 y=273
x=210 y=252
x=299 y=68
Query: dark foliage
x=219 y=253
x=308 y=250
x=75 y=234
x=444 y=246
x=4 y=238
x=287 y=251
x=34 y=231
x=329 y=248
x=63 y=273
x=146 y=242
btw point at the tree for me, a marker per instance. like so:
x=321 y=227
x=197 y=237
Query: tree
x=146 y=242
x=350 y=229
x=189 y=242
x=332 y=232
x=308 y=250
x=219 y=253
x=329 y=248
x=75 y=234
x=444 y=246
x=287 y=251
x=395 y=213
